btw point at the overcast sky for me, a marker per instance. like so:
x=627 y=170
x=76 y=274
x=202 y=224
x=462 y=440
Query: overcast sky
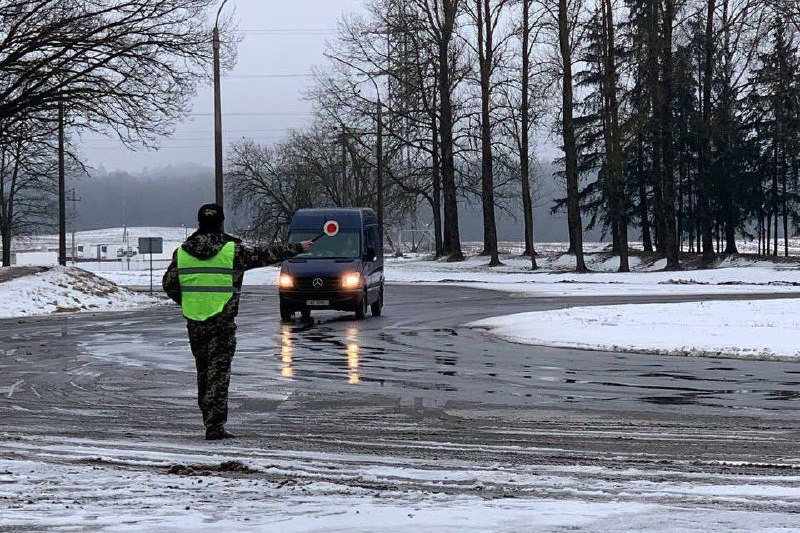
x=281 y=38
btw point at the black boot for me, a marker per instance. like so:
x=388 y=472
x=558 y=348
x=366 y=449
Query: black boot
x=218 y=433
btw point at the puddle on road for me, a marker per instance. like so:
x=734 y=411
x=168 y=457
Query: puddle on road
x=349 y=346
x=783 y=395
x=335 y=351
x=681 y=399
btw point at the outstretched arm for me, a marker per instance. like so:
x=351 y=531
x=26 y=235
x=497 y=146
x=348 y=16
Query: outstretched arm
x=250 y=257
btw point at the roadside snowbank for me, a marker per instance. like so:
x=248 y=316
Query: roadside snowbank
x=758 y=329
x=63 y=290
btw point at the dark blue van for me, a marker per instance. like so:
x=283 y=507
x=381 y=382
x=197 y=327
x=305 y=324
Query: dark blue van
x=343 y=272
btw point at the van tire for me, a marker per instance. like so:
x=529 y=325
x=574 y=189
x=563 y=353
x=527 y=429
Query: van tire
x=286 y=314
x=377 y=306
x=363 y=305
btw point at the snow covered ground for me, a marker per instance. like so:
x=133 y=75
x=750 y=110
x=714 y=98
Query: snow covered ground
x=78 y=484
x=554 y=279
x=105 y=236
x=759 y=329
x=63 y=290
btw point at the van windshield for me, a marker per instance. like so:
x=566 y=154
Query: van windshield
x=346 y=244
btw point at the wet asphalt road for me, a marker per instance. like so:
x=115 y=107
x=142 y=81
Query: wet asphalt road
x=379 y=386
x=419 y=353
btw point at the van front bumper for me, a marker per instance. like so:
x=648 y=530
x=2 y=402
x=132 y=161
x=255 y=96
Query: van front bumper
x=339 y=300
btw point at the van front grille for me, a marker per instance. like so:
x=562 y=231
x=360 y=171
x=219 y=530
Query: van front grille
x=322 y=284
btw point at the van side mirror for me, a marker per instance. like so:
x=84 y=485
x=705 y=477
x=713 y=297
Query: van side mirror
x=370 y=254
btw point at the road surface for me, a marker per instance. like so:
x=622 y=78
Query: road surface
x=414 y=386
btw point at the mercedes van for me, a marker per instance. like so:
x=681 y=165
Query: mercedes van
x=344 y=270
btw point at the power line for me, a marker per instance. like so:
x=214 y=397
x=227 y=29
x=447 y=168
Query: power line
x=194 y=141
x=198 y=132
x=119 y=148
x=253 y=76
x=289 y=31
x=182 y=135
x=177 y=143
x=258 y=114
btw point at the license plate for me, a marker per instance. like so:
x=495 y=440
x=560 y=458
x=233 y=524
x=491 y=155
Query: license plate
x=318 y=303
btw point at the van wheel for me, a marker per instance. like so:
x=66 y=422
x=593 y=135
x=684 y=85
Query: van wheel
x=377 y=307
x=286 y=314
x=363 y=307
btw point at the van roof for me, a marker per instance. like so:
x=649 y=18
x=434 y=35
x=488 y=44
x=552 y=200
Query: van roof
x=348 y=218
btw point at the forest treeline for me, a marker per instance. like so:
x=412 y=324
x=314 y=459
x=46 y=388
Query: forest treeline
x=678 y=122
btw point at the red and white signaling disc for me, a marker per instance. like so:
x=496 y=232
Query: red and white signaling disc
x=331 y=228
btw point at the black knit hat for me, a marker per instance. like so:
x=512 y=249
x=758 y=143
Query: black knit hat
x=210 y=217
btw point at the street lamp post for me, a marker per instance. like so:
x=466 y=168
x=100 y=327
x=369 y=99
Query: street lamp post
x=217 y=112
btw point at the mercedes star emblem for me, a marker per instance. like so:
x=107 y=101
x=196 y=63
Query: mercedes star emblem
x=318 y=283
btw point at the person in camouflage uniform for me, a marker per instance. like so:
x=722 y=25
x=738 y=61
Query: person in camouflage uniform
x=213 y=341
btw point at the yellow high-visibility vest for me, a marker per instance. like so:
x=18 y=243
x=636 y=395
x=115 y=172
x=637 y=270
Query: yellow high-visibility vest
x=206 y=284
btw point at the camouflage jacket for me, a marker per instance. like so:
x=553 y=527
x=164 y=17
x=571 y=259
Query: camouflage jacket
x=206 y=245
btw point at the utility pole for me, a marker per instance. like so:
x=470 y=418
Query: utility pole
x=344 y=166
x=62 y=194
x=218 y=186
x=74 y=199
x=379 y=164
x=217 y=124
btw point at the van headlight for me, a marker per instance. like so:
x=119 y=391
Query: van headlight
x=351 y=281
x=285 y=281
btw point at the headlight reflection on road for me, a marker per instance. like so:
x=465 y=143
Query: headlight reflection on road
x=352 y=355
x=286 y=352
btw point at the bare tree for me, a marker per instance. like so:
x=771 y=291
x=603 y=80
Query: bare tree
x=306 y=170
x=128 y=65
x=487 y=15
x=28 y=184
x=441 y=18
x=525 y=122
x=564 y=20
x=264 y=180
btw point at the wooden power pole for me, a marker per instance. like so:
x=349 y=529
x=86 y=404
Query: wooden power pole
x=62 y=193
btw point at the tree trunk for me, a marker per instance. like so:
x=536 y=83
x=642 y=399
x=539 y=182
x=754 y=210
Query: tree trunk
x=654 y=51
x=784 y=207
x=436 y=204
x=524 y=155
x=4 y=209
x=704 y=179
x=485 y=60
x=6 y=239
x=570 y=144
x=644 y=213
x=775 y=195
x=668 y=178
x=614 y=142
x=452 y=245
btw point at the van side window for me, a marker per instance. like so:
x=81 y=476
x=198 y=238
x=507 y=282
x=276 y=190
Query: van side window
x=368 y=242
x=375 y=240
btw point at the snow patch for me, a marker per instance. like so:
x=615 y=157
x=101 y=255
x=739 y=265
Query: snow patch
x=63 y=290
x=758 y=329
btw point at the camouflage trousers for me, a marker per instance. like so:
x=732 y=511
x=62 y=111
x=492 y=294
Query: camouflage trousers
x=213 y=346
